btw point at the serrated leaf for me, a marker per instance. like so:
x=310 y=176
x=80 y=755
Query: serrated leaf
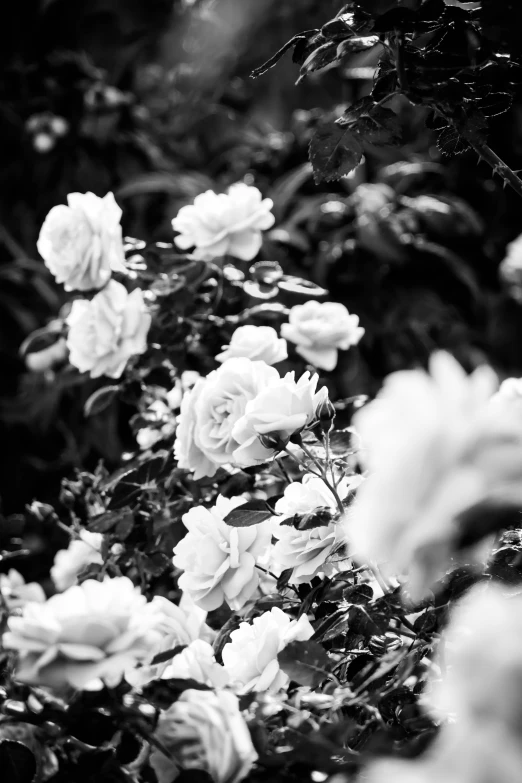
x=305 y=662
x=450 y=142
x=372 y=124
x=319 y=517
x=135 y=481
x=17 y=762
x=107 y=521
x=331 y=627
x=356 y=44
x=321 y=57
x=251 y=513
x=162 y=693
x=334 y=152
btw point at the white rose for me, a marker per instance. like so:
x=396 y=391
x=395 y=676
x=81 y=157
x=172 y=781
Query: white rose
x=251 y=655
x=205 y=438
x=509 y=396
x=224 y=224
x=197 y=662
x=219 y=561
x=319 y=330
x=259 y=343
x=16 y=593
x=68 y=563
x=91 y=633
x=306 y=551
x=282 y=408
x=204 y=730
x=434 y=447
x=177 y=625
x=81 y=243
x=107 y=330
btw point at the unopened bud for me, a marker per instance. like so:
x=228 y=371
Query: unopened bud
x=325 y=414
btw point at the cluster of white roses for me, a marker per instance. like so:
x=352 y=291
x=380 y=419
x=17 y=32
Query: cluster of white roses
x=82 y=246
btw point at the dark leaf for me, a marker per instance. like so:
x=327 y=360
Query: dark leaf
x=193 y=776
x=353 y=45
x=251 y=513
x=153 y=564
x=450 y=142
x=277 y=56
x=138 y=480
x=333 y=626
x=319 y=517
x=341 y=442
x=358 y=594
x=100 y=400
x=390 y=704
x=495 y=103
x=107 y=521
x=284 y=578
x=163 y=693
x=334 y=152
x=396 y=19
x=372 y=124
x=321 y=57
x=17 y=762
x=167 y=655
x=483 y=519
x=304 y=662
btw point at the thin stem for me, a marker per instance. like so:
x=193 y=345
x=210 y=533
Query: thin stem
x=497 y=164
x=324 y=477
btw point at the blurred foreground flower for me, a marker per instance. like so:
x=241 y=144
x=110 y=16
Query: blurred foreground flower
x=81 y=243
x=225 y=223
x=197 y=662
x=435 y=448
x=320 y=329
x=107 y=330
x=219 y=561
x=251 y=655
x=91 y=633
x=204 y=730
x=68 y=563
x=259 y=343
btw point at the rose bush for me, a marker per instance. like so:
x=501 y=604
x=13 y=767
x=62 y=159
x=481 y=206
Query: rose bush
x=259 y=343
x=107 y=330
x=225 y=223
x=250 y=657
x=81 y=243
x=320 y=330
x=204 y=730
x=219 y=561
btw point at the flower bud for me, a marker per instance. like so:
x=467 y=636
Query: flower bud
x=325 y=414
x=273 y=440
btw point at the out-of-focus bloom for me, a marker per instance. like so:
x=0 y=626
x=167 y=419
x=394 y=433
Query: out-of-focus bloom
x=47 y=358
x=509 y=396
x=251 y=655
x=219 y=561
x=16 y=593
x=177 y=625
x=435 y=447
x=279 y=410
x=68 y=563
x=209 y=412
x=320 y=329
x=197 y=662
x=510 y=269
x=81 y=243
x=225 y=223
x=91 y=633
x=306 y=551
x=204 y=730
x=259 y=343
x=107 y=330
x=160 y=420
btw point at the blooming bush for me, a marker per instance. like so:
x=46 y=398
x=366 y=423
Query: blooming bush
x=285 y=566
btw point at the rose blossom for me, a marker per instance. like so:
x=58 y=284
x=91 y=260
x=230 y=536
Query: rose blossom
x=204 y=730
x=205 y=438
x=219 y=561
x=177 y=625
x=509 y=396
x=280 y=409
x=435 y=447
x=68 y=563
x=251 y=655
x=197 y=662
x=225 y=223
x=259 y=343
x=16 y=593
x=92 y=632
x=107 y=330
x=320 y=329
x=81 y=243
x=305 y=551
